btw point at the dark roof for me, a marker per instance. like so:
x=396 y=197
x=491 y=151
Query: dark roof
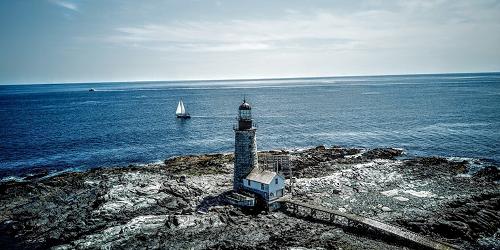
x=245 y=106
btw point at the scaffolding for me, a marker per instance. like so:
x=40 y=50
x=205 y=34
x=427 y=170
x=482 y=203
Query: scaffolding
x=280 y=164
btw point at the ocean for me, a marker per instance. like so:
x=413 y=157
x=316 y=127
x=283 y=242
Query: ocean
x=61 y=127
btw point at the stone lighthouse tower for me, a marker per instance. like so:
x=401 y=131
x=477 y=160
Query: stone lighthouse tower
x=245 y=150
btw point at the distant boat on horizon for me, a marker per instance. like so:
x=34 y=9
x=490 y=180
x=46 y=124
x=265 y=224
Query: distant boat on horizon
x=91 y=90
x=180 y=112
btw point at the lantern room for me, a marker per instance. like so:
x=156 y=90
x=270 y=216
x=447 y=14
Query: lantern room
x=244 y=116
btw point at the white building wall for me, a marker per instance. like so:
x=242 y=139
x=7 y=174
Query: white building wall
x=255 y=185
x=269 y=189
x=273 y=187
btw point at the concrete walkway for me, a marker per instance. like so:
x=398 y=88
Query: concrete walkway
x=390 y=229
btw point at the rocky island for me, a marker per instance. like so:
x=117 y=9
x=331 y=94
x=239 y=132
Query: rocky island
x=179 y=204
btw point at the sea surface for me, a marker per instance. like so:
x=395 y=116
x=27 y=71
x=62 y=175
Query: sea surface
x=62 y=127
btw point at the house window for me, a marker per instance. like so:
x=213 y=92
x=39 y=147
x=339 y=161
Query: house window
x=276 y=181
x=248 y=182
x=279 y=193
x=261 y=186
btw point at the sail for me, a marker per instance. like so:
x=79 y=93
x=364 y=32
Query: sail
x=183 y=110
x=180 y=108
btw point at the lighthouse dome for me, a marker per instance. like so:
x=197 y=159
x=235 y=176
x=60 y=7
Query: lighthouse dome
x=245 y=106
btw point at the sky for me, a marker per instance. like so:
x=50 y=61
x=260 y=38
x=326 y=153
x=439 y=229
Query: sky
x=58 y=41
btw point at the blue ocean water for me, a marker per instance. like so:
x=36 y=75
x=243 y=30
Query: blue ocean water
x=65 y=126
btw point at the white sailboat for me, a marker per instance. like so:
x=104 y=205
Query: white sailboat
x=180 y=112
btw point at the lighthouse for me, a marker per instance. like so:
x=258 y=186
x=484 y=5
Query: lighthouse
x=245 y=148
x=252 y=185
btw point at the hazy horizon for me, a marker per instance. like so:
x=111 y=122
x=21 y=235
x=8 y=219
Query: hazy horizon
x=251 y=79
x=69 y=41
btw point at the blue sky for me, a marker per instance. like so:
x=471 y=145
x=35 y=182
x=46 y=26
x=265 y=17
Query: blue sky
x=48 y=41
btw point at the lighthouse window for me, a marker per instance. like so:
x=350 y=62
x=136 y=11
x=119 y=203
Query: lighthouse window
x=261 y=186
x=276 y=181
x=245 y=114
x=248 y=182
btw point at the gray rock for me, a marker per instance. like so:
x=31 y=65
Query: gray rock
x=148 y=207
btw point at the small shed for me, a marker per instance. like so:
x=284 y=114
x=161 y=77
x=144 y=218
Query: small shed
x=267 y=184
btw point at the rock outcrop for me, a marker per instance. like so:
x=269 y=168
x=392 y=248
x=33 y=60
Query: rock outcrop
x=179 y=204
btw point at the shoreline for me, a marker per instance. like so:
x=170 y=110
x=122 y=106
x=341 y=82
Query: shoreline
x=150 y=207
x=30 y=173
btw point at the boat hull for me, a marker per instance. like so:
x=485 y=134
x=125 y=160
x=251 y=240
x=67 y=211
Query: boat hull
x=183 y=116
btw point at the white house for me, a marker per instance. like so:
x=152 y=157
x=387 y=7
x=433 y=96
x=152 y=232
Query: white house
x=267 y=184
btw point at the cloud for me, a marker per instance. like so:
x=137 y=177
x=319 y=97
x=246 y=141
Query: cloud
x=292 y=11
x=65 y=4
x=404 y=25
x=235 y=35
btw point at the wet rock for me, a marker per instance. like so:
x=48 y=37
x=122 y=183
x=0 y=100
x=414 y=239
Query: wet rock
x=382 y=153
x=427 y=161
x=430 y=167
x=153 y=206
x=489 y=173
x=200 y=165
x=311 y=162
x=453 y=229
x=467 y=219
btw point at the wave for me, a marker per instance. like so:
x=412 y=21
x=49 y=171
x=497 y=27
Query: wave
x=85 y=103
x=213 y=116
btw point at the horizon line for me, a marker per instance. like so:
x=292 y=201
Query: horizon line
x=248 y=79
